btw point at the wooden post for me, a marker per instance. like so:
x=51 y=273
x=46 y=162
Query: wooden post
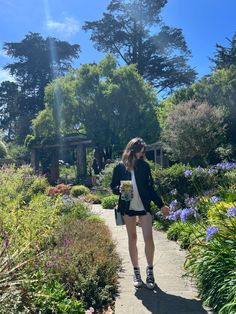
x=81 y=161
x=34 y=159
x=161 y=156
x=54 y=167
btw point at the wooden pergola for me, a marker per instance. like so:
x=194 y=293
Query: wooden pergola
x=156 y=153
x=77 y=142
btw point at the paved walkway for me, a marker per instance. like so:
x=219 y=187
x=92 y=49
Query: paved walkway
x=173 y=294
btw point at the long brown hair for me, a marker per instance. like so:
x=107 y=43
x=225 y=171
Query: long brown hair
x=134 y=146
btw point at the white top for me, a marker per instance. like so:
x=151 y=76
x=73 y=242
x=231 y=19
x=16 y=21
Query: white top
x=136 y=202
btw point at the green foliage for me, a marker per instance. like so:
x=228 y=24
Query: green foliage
x=33 y=215
x=218 y=89
x=33 y=68
x=172 y=178
x=106 y=175
x=128 y=35
x=86 y=261
x=200 y=182
x=106 y=100
x=18 y=152
x=93 y=198
x=110 y=201
x=71 y=207
x=78 y=190
x=225 y=56
x=213 y=265
x=51 y=298
x=3 y=150
x=217 y=213
x=193 y=131
x=186 y=234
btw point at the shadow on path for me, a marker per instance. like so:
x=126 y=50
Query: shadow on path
x=159 y=302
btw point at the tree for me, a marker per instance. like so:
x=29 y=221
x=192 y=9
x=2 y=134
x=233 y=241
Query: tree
x=38 y=61
x=193 y=132
x=112 y=104
x=127 y=30
x=9 y=110
x=225 y=56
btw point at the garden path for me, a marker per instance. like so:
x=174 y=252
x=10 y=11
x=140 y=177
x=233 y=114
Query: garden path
x=173 y=294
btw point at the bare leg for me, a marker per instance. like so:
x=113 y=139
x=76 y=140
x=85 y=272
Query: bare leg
x=130 y=223
x=146 y=224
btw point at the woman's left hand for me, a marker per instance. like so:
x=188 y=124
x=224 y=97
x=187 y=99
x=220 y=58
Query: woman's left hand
x=165 y=211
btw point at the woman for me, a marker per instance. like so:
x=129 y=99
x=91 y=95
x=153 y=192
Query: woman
x=134 y=168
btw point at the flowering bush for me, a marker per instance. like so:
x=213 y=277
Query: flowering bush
x=213 y=264
x=59 y=189
x=85 y=261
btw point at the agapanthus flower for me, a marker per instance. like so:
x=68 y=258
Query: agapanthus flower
x=174 y=215
x=173 y=204
x=226 y=165
x=190 y=201
x=173 y=192
x=211 y=232
x=231 y=212
x=215 y=199
x=186 y=213
x=212 y=170
x=188 y=173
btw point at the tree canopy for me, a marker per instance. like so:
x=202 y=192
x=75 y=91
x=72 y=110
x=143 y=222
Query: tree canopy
x=134 y=31
x=37 y=62
x=193 y=132
x=112 y=104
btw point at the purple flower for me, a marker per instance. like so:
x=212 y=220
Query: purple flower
x=210 y=232
x=190 y=201
x=186 y=213
x=66 y=242
x=174 y=216
x=49 y=264
x=215 y=199
x=188 y=173
x=231 y=212
x=212 y=170
x=173 y=204
x=226 y=165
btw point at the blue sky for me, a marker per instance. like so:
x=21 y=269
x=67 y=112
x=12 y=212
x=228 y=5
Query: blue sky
x=204 y=23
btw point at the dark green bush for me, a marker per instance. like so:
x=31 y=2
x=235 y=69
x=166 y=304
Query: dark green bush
x=109 y=202
x=78 y=190
x=174 y=178
x=186 y=234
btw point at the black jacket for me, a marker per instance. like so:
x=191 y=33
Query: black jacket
x=144 y=183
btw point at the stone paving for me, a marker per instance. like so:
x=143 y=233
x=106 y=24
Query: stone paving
x=173 y=294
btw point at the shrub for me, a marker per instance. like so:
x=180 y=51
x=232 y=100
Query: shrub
x=106 y=175
x=51 y=297
x=109 y=201
x=92 y=198
x=72 y=207
x=78 y=190
x=184 y=135
x=85 y=261
x=186 y=234
x=59 y=189
x=213 y=264
x=218 y=212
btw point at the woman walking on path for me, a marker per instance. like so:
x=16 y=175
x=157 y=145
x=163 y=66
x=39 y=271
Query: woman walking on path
x=134 y=168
